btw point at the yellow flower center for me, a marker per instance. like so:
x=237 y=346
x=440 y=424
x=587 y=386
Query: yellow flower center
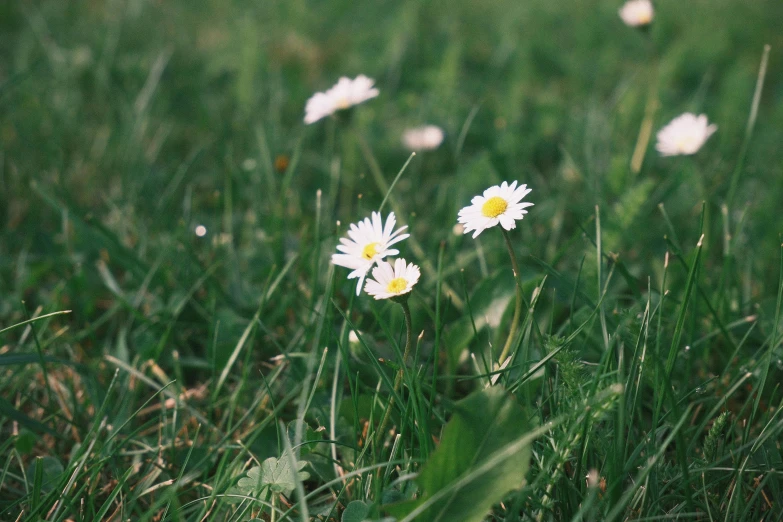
x=397 y=285
x=370 y=251
x=494 y=206
x=343 y=103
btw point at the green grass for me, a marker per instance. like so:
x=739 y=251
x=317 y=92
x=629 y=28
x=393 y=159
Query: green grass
x=649 y=359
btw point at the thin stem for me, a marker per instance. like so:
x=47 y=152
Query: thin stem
x=754 y=110
x=518 y=306
x=646 y=129
x=399 y=175
x=406 y=311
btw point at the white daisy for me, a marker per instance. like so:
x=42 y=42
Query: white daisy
x=499 y=204
x=428 y=137
x=391 y=282
x=637 y=13
x=368 y=242
x=344 y=94
x=684 y=135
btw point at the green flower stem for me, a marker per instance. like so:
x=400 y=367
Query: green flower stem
x=406 y=311
x=518 y=308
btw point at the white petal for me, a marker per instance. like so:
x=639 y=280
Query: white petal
x=390 y=222
x=507 y=222
x=359 y=284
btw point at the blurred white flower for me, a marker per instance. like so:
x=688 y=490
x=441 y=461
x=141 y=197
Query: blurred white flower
x=81 y=57
x=368 y=242
x=249 y=164
x=428 y=137
x=637 y=13
x=684 y=135
x=344 y=94
x=499 y=204
x=201 y=230
x=353 y=337
x=392 y=281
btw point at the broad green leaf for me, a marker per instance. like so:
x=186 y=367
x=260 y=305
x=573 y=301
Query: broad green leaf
x=25 y=441
x=484 y=425
x=309 y=437
x=52 y=471
x=276 y=474
x=356 y=511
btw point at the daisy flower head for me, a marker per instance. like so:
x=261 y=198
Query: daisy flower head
x=367 y=243
x=344 y=94
x=499 y=204
x=428 y=137
x=393 y=282
x=684 y=135
x=637 y=13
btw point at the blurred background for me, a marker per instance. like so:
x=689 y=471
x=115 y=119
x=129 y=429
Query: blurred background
x=127 y=124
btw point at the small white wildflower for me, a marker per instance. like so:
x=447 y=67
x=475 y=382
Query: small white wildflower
x=81 y=57
x=684 y=135
x=499 y=204
x=344 y=94
x=201 y=231
x=637 y=13
x=428 y=137
x=368 y=242
x=391 y=281
x=592 y=478
x=249 y=164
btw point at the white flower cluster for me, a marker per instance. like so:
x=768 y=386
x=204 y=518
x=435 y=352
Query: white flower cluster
x=367 y=244
x=347 y=92
x=369 y=241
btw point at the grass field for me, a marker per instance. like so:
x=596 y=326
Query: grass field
x=151 y=373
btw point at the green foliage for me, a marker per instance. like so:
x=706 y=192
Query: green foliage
x=274 y=474
x=488 y=303
x=634 y=201
x=144 y=365
x=570 y=369
x=483 y=454
x=356 y=511
x=713 y=438
x=48 y=470
x=310 y=438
